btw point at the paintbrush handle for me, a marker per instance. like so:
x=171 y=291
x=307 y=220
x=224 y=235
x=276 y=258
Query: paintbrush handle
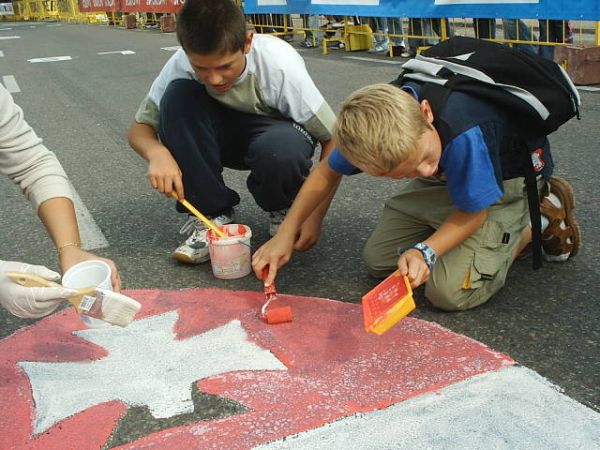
x=198 y=214
x=32 y=280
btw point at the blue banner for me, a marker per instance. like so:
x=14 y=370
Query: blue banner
x=507 y=9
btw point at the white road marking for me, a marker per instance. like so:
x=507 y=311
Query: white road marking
x=171 y=49
x=512 y=408
x=588 y=88
x=91 y=234
x=114 y=52
x=6 y=38
x=10 y=83
x=5 y=29
x=50 y=59
x=55 y=25
x=1 y=54
x=382 y=61
x=148 y=365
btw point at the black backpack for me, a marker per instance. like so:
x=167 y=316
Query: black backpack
x=536 y=92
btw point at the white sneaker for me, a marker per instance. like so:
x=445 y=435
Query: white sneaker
x=195 y=248
x=275 y=219
x=379 y=48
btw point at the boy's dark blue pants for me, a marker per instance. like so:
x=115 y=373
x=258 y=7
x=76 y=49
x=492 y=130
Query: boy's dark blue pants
x=205 y=136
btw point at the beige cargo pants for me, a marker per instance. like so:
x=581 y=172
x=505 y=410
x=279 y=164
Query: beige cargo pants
x=472 y=272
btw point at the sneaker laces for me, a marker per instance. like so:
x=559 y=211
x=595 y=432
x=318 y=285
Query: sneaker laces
x=191 y=225
x=194 y=225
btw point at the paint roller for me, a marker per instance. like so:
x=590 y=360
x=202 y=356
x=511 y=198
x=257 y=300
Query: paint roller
x=273 y=315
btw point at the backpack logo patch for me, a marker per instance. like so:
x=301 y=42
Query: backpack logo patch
x=537 y=159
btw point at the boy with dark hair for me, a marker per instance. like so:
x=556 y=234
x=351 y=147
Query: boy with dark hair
x=457 y=225
x=231 y=99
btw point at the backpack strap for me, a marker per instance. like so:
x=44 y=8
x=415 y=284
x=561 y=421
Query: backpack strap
x=437 y=95
x=533 y=200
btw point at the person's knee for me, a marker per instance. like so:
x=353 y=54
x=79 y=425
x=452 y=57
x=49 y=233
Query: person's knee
x=375 y=264
x=448 y=297
x=444 y=298
x=285 y=154
x=178 y=94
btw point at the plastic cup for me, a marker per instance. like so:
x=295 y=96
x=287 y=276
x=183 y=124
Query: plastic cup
x=230 y=255
x=94 y=273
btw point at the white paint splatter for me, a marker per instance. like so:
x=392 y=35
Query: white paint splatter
x=146 y=365
x=513 y=408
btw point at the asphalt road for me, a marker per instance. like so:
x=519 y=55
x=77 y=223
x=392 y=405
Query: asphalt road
x=546 y=320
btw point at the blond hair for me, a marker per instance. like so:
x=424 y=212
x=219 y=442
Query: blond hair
x=378 y=126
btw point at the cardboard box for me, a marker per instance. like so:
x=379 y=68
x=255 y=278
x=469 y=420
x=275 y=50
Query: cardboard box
x=362 y=41
x=129 y=21
x=581 y=63
x=167 y=23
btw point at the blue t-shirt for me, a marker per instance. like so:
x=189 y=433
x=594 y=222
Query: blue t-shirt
x=474 y=180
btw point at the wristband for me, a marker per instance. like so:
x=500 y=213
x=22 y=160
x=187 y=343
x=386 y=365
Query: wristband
x=429 y=255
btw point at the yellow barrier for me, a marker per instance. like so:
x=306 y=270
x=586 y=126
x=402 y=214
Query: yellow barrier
x=65 y=10
x=349 y=33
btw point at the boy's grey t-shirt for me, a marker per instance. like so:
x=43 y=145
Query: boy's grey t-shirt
x=275 y=83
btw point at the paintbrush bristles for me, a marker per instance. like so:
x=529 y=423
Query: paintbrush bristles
x=114 y=308
x=111 y=307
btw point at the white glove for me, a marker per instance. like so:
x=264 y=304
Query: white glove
x=30 y=303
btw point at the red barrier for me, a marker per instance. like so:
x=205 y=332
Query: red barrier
x=131 y=6
x=99 y=5
x=151 y=6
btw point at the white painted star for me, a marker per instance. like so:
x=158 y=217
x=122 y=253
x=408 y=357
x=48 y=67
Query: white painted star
x=146 y=365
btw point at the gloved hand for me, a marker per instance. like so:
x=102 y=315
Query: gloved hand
x=30 y=303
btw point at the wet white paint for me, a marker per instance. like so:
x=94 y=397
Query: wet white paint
x=513 y=408
x=146 y=365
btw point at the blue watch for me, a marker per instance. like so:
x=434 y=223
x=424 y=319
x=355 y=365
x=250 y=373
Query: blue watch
x=429 y=255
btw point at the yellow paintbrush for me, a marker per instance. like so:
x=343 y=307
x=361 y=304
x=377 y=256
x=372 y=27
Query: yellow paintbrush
x=198 y=214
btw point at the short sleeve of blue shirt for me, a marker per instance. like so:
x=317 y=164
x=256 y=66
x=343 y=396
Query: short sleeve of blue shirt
x=469 y=172
x=339 y=164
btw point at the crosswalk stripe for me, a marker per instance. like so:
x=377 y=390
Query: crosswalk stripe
x=10 y=83
x=91 y=235
x=382 y=61
x=50 y=59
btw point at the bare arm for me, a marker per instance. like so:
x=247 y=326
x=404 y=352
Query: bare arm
x=455 y=229
x=164 y=174
x=320 y=185
x=309 y=232
x=58 y=216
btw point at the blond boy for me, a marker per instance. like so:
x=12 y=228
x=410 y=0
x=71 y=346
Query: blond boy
x=457 y=225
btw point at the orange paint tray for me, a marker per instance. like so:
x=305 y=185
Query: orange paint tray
x=386 y=304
